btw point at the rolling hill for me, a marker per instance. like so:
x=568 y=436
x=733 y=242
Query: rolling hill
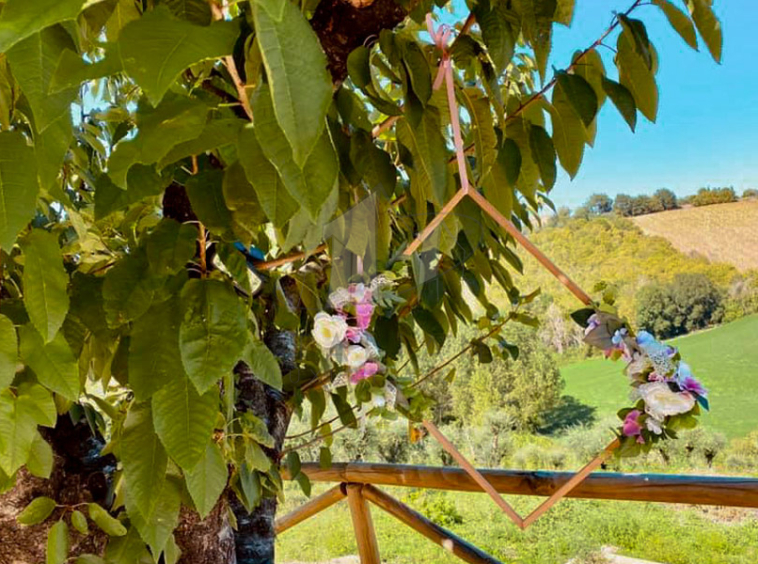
x=724 y=358
x=721 y=233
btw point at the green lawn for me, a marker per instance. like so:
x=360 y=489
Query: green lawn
x=724 y=358
x=572 y=529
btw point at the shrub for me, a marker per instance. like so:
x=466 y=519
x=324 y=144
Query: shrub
x=622 y=205
x=598 y=204
x=750 y=194
x=690 y=302
x=710 y=196
x=664 y=199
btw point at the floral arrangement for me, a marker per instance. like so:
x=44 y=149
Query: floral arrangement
x=345 y=339
x=668 y=396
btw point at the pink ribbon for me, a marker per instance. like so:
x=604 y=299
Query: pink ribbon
x=440 y=39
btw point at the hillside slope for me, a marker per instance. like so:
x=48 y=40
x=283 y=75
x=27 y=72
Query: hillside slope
x=724 y=358
x=611 y=249
x=721 y=233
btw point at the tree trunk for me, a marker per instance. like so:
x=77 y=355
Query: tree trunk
x=80 y=475
x=255 y=537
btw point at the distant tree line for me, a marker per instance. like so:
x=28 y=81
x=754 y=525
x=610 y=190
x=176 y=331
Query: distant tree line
x=663 y=199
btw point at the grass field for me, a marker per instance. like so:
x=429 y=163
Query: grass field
x=724 y=358
x=573 y=529
x=721 y=233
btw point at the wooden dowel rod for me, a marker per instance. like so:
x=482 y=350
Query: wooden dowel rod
x=474 y=473
x=440 y=217
x=365 y=537
x=309 y=509
x=664 y=488
x=575 y=480
x=430 y=530
x=530 y=247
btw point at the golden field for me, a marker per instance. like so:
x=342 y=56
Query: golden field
x=721 y=233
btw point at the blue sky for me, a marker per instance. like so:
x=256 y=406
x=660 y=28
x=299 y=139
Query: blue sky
x=707 y=128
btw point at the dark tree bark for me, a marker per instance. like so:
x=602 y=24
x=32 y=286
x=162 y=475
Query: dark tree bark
x=255 y=537
x=80 y=475
x=343 y=25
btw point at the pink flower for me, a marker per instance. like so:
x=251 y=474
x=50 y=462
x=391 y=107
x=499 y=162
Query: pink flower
x=689 y=384
x=353 y=334
x=363 y=313
x=632 y=427
x=365 y=371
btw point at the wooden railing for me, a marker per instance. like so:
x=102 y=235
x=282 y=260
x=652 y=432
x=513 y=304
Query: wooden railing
x=357 y=482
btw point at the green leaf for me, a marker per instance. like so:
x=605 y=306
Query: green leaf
x=156 y=530
x=21 y=18
x=482 y=130
x=8 y=352
x=373 y=164
x=564 y=12
x=207 y=480
x=325 y=458
x=568 y=132
x=679 y=21
x=429 y=324
x=636 y=31
x=536 y=27
x=51 y=147
x=344 y=411
x=128 y=289
x=172 y=552
x=311 y=184
x=418 y=70
x=250 y=487
x=427 y=146
x=637 y=77
x=543 y=153
x=57 y=543
x=108 y=524
x=195 y=11
x=37 y=511
x=623 y=100
x=263 y=363
x=580 y=95
x=217 y=133
x=184 y=420
x=170 y=246
x=708 y=25
x=18 y=186
x=33 y=62
x=79 y=521
x=276 y=202
x=40 y=463
x=304 y=482
x=247 y=215
x=293 y=464
x=129 y=549
x=45 y=283
x=144 y=460
x=498 y=184
x=591 y=69
x=256 y=458
x=89 y=559
x=142 y=182
x=206 y=194
x=176 y=120
x=213 y=332
x=498 y=34
x=301 y=88
x=18 y=429
x=53 y=362
x=38 y=403
x=157 y=47
x=257 y=429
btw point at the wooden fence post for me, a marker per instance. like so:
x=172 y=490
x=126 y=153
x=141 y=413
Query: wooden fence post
x=365 y=536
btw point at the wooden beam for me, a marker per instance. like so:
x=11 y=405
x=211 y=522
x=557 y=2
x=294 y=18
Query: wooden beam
x=666 y=488
x=308 y=510
x=365 y=536
x=430 y=530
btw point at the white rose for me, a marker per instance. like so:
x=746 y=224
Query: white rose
x=339 y=298
x=660 y=401
x=356 y=356
x=654 y=426
x=328 y=330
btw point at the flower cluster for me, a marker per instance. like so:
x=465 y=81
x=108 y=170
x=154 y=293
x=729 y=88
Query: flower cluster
x=667 y=395
x=343 y=335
